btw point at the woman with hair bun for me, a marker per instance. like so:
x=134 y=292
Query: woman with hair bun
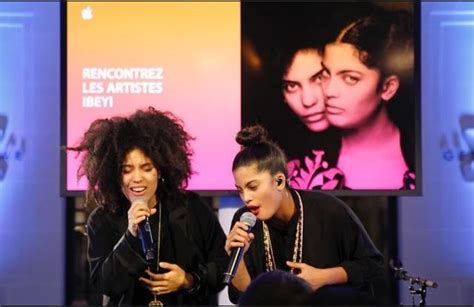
x=313 y=235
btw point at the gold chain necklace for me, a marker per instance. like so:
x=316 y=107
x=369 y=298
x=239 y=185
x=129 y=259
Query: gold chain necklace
x=155 y=301
x=270 y=264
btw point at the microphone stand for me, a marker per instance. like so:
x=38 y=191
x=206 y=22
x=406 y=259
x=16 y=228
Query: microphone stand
x=420 y=291
x=401 y=274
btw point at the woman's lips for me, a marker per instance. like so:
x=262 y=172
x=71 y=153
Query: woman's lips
x=315 y=117
x=333 y=110
x=137 y=192
x=254 y=210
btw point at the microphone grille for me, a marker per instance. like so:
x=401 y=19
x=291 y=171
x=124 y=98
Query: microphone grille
x=248 y=218
x=138 y=199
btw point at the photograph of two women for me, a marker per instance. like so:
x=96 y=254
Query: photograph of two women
x=335 y=84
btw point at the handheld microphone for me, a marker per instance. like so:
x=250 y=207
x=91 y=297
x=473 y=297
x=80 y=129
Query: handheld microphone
x=145 y=234
x=237 y=252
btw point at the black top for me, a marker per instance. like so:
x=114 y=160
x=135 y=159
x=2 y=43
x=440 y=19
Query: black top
x=191 y=238
x=332 y=236
x=316 y=169
x=283 y=239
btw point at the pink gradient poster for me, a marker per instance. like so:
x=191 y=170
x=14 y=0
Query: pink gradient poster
x=178 y=57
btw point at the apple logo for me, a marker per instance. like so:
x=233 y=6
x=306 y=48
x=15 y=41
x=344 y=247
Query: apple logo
x=86 y=13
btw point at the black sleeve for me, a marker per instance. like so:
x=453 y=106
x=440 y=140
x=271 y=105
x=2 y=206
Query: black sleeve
x=114 y=264
x=363 y=261
x=210 y=273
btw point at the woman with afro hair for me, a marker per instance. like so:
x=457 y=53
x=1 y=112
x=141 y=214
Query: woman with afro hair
x=137 y=168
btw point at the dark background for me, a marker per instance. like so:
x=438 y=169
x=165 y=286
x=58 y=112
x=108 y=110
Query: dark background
x=271 y=31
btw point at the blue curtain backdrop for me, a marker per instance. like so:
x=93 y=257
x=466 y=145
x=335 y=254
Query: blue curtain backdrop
x=32 y=252
x=437 y=230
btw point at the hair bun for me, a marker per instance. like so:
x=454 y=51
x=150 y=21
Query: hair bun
x=252 y=135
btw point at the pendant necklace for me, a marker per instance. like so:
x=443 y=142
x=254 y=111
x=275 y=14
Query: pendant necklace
x=270 y=264
x=155 y=301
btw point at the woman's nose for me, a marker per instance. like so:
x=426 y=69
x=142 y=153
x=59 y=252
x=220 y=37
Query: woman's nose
x=309 y=97
x=329 y=87
x=137 y=176
x=246 y=197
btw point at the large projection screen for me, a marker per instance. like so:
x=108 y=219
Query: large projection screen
x=178 y=57
x=218 y=66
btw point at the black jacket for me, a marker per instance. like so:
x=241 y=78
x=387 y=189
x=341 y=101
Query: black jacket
x=116 y=260
x=332 y=236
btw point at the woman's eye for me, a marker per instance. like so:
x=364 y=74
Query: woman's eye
x=290 y=87
x=324 y=77
x=318 y=78
x=351 y=80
